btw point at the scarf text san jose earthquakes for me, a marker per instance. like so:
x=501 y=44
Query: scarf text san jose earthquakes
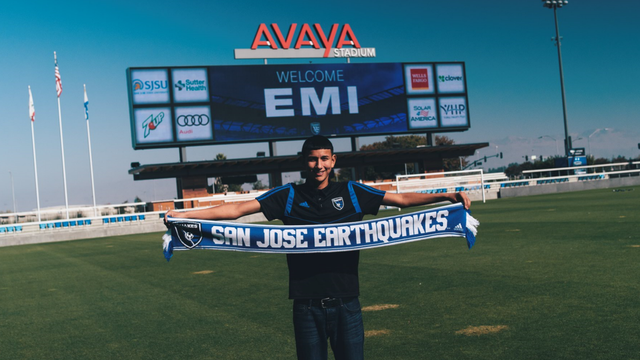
x=445 y=221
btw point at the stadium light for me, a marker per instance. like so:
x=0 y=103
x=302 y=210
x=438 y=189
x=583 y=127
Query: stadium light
x=554 y=139
x=13 y=193
x=555 y=4
x=589 y=138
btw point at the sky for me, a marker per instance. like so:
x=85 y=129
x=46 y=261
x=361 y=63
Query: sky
x=511 y=65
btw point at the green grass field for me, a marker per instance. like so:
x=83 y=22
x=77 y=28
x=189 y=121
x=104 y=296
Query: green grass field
x=550 y=277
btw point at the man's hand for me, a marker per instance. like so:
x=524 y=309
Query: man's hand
x=170 y=213
x=461 y=197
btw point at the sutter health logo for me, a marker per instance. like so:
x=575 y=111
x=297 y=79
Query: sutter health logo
x=191 y=85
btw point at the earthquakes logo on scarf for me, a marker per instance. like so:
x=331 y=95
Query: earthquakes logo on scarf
x=445 y=221
x=188 y=233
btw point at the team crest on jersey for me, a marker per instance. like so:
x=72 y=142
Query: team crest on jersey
x=338 y=203
x=189 y=233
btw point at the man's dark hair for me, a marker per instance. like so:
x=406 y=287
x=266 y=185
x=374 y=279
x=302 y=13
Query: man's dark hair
x=316 y=142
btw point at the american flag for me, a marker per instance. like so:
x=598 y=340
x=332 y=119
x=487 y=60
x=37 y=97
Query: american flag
x=423 y=113
x=86 y=104
x=32 y=108
x=58 y=80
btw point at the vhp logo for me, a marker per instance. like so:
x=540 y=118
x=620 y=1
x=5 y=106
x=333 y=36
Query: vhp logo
x=453 y=109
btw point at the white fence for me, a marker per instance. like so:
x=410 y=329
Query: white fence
x=473 y=182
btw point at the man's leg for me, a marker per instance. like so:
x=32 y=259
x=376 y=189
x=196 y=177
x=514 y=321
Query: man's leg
x=347 y=337
x=309 y=325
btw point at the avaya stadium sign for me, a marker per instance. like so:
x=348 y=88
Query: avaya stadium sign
x=203 y=105
x=274 y=44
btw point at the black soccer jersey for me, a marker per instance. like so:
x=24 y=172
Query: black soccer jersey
x=316 y=276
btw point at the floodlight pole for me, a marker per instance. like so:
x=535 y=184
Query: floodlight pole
x=13 y=194
x=554 y=5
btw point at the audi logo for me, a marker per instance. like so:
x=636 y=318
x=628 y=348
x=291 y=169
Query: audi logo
x=193 y=120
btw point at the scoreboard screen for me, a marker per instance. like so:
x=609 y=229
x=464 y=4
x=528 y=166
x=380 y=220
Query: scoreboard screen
x=185 y=106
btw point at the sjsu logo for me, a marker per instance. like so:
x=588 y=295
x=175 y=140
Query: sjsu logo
x=139 y=85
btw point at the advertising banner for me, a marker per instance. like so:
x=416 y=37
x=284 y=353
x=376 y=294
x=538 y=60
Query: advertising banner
x=180 y=106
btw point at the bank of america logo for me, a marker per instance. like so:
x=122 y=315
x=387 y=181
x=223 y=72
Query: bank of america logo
x=458 y=228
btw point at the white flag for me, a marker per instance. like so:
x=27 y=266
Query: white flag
x=32 y=108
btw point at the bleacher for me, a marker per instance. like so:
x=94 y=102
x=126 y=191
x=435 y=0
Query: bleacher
x=76 y=224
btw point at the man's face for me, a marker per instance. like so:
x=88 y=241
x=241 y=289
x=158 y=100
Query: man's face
x=319 y=164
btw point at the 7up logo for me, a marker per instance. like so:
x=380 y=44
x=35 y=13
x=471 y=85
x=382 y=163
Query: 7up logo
x=151 y=123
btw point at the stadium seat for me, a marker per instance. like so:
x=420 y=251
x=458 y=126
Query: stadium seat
x=43 y=226
x=50 y=226
x=87 y=222
x=140 y=217
x=65 y=224
x=112 y=220
x=105 y=220
x=2 y=230
x=9 y=229
x=120 y=218
x=72 y=223
x=80 y=222
x=18 y=228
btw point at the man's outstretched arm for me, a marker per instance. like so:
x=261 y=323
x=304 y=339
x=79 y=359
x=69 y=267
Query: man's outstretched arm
x=222 y=212
x=417 y=199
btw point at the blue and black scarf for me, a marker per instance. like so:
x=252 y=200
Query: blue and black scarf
x=446 y=221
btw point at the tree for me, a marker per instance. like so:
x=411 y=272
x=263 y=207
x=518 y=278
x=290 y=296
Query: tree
x=258 y=185
x=407 y=142
x=221 y=157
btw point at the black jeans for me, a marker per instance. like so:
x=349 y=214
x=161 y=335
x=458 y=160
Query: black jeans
x=342 y=325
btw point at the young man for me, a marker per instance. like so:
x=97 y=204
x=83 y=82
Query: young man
x=324 y=287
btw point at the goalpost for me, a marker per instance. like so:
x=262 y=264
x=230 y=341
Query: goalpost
x=442 y=182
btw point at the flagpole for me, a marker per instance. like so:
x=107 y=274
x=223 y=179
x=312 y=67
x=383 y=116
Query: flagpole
x=93 y=189
x=32 y=116
x=64 y=171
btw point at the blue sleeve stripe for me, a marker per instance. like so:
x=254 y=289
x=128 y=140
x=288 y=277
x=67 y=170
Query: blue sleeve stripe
x=354 y=198
x=287 y=210
x=368 y=188
x=271 y=192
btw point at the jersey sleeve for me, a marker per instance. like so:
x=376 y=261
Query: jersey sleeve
x=274 y=201
x=369 y=198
